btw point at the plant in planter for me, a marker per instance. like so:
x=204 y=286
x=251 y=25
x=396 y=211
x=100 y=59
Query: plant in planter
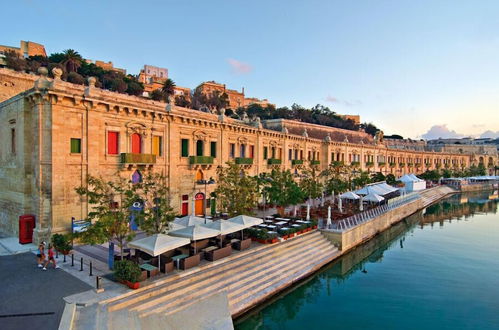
x=128 y=272
x=272 y=238
x=62 y=243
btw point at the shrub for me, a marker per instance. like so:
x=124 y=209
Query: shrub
x=126 y=270
x=61 y=242
x=75 y=78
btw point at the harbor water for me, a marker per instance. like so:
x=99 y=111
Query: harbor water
x=438 y=269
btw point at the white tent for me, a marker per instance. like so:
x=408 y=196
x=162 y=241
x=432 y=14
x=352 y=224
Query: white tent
x=246 y=221
x=174 y=226
x=349 y=195
x=379 y=188
x=189 y=220
x=195 y=232
x=224 y=227
x=372 y=197
x=158 y=243
x=387 y=186
x=412 y=183
x=415 y=177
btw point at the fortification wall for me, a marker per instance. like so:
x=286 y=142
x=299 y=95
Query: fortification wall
x=13 y=83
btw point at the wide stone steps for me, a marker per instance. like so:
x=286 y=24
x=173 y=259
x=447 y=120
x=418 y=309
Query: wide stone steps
x=248 y=281
x=222 y=280
x=245 y=277
x=248 y=259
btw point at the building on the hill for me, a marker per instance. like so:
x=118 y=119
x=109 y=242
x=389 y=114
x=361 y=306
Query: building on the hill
x=56 y=133
x=106 y=66
x=152 y=77
x=236 y=98
x=253 y=100
x=25 y=49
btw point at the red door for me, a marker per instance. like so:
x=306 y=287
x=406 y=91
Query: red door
x=136 y=144
x=185 y=208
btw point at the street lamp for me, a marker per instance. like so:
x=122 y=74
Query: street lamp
x=206 y=183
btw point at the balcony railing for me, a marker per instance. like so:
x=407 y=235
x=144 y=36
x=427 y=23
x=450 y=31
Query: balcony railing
x=381 y=164
x=355 y=163
x=370 y=164
x=297 y=162
x=401 y=164
x=244 y=161
x=129 y=158
x=315 y=162
x=200 y=160
x=274 y=161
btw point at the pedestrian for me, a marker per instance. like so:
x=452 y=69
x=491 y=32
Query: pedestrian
x=50 y=259
x=40 y=254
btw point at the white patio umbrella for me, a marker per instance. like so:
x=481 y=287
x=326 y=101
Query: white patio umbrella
x=328 y=223
x=349 y=195
x=245 y=221
x=224 y=227
x=340 y=205
x=308 y=211
x=361 y=204
x=294 y=211
x=195 y=233
x=332 y=196
x=157 y=244
x=372 y=197
x=189 y=220
x=322 y=199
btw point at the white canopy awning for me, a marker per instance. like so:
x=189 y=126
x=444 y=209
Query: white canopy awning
x=246 y=221
x=372 y=197
x=349 y=195
x=189 y=220
x=158 y=243
x=195 y=232
x=224 y=227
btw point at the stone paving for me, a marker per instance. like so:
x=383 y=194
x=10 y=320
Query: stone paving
x=32 y=298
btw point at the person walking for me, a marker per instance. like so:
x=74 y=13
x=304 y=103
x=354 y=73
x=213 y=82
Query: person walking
x=50 y=259
x=40 y=254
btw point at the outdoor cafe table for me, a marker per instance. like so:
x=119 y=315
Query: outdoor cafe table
x=282 y=219
x=209 y=248
x=262 y=226
x=268 y=221
x=271 y=232
x=295 y=225
x=271 y=227
x=280 y=223
x=149 y=268
x=284 y=228
x=177 y=258
x=269 y=217
x=302 y=221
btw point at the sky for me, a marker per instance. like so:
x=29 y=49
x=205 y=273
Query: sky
x=414 y=68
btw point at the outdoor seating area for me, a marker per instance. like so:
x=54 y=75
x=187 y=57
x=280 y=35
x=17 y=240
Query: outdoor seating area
x=275 y=227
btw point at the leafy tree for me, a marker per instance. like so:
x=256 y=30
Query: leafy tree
x=110 y=212
x=362 y=179
x=56 y=57
x=336 y=177
x=156 y=95
x=72 y=60
x=134 y=87
x=377 y=177
x=237 y=193
x=182 y=101
x=14 y=61
x=369 y=128
x=281 y=188
x=75 y=78
x=433 y=175
x=390 y=179
x=158 y=213
x=310 y=182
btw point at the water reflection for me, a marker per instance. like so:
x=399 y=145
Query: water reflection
x=319 y=290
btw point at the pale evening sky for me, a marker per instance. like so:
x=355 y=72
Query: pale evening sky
x=403 y=65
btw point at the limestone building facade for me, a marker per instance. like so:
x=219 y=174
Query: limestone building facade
x=56 y=134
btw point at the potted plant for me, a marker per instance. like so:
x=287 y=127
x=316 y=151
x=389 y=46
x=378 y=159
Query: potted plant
x=272 y=238
x=127 y=272
x=61 y=243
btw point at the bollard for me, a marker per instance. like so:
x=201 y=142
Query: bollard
x=64 y=258
x=90 y=274
x=81 y=264
x=72 y=260
x=97 y=282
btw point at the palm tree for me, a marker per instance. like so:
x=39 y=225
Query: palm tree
x=72 y=60
x=168 y=89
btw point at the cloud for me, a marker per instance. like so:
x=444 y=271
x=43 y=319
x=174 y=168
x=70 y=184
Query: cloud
x=239 y=67
x=332 y=99
x=490 y=134
x=440 y=131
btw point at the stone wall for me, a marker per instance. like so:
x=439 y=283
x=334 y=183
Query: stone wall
x=13 y=83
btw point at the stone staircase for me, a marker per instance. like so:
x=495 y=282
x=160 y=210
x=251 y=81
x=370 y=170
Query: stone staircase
x=246 y=278
x=430 y=196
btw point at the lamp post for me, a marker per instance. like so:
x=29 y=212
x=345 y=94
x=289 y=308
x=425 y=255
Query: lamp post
x=206 y=183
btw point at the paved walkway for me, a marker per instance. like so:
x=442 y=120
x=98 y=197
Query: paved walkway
x=32 y=298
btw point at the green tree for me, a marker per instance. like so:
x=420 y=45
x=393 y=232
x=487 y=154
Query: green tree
x=390 y=179
x=155 y=195
x=72 y=60
x=110 y=210
x=156 y=95
x=15 y=62
x=311 y=183
x=182 y=101
x=336 y=177
x=237 y=193
x=362 y=179
x=433 y=175
x=281 y=189
x=377 y=177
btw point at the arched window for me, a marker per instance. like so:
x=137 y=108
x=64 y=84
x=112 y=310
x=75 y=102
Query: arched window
x=136 y=143
x=136 y=177
x=199 y=148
